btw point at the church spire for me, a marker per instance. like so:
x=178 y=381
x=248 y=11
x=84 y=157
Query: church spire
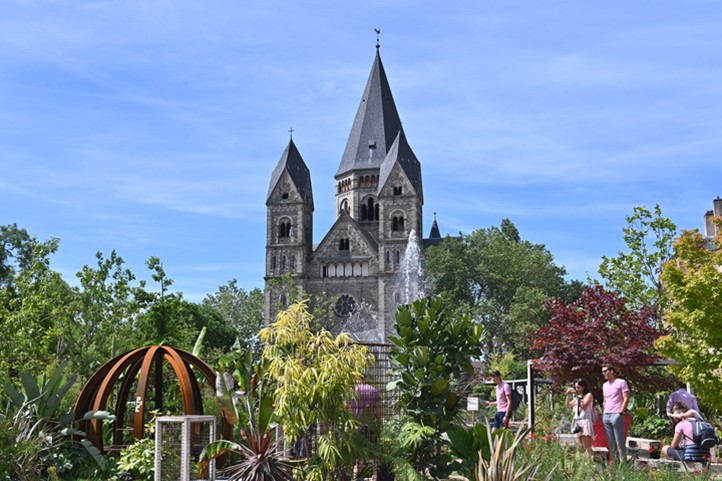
x=376 y=125
x=435 y=232
x=292 y=162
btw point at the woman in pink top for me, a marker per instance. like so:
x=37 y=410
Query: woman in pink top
x=682 y=435
x=616 y=398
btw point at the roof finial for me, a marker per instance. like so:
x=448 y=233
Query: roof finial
x=378 y=32
x=291 y=131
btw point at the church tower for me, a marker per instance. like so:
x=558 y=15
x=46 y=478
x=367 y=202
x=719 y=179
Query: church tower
x=378 y=203
x=289 y=224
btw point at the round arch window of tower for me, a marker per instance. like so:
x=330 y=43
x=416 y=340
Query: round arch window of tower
x=345 y=305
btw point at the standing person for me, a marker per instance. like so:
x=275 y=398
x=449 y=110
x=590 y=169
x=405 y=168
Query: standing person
x=502 y=403
x=616 y=398
x=681 y=395
x=582 y=403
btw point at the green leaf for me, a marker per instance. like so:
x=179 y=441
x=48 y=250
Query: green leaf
x=17 y=397
x=439 y=385
x=30 y=385
x=198 y=346
x=265 y=412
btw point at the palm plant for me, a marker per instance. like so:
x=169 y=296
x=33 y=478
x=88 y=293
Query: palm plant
x=261 y=454
x=34 y=432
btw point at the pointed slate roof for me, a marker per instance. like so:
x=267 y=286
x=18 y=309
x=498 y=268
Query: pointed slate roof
x=435 y=232
x=376 y=125
x=292 y=162
x=401 y=153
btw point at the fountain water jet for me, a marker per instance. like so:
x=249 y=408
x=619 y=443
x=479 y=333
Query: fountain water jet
x=362 y=324
x=411 y=279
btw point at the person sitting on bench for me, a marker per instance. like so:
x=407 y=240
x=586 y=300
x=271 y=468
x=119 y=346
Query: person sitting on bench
x=682 y=447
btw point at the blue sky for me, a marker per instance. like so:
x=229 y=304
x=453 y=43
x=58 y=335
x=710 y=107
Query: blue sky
x=152 y=126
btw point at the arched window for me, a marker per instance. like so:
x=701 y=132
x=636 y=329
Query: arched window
x=397 y=223
x=398 y=257
x=370 y=210
x=293 y=263
x=388 y=257
x=273 y=262
x=283 y=262
x=397 y=190
x=344 y=244
x=284 y=229
x=344 y=206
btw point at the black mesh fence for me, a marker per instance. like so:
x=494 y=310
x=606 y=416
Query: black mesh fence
x=379 y=375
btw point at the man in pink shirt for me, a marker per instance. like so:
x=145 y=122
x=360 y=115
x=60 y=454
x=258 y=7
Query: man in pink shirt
x=502 y=403
x=616 y=398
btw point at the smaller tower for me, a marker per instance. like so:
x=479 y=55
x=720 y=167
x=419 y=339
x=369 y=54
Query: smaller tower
x=289 y=225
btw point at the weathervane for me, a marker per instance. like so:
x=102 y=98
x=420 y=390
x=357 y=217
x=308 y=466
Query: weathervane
x=378 y=32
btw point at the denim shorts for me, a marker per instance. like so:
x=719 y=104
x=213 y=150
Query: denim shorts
x=499 y=420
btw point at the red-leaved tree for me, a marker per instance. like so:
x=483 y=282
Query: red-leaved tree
x=593 y=331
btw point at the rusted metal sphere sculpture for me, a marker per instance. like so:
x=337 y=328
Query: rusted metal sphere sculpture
x=145 y=364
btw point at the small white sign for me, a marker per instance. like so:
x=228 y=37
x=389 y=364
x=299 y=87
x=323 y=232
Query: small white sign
x=472 y=404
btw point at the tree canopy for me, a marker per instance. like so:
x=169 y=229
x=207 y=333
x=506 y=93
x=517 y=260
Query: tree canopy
x=595 y=330
x=693 y=281
x=240 y=309
x=635 y=274
x=499 y=280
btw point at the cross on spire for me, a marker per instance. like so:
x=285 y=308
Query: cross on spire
x=291 y=131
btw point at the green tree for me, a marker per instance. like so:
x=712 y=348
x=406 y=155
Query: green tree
x=16 y=252
x=243 y=310
x=166 y=318
x=315 y=375
x=433 y=350
x=635 y=274
x=321 y=307
x=107 y=307
x=34 y=315
x=220 y=335
x=693 y=281
x=500 y=280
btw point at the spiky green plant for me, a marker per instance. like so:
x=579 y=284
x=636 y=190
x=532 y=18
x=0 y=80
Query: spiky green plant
x=503 y=463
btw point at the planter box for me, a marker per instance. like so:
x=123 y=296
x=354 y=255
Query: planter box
x=644 y=448
x=568 y=440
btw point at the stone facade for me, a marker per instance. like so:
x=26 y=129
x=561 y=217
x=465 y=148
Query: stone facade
x=379 y=203
x=710 y=229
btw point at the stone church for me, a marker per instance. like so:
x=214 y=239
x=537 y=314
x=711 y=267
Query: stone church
x=379 y=202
